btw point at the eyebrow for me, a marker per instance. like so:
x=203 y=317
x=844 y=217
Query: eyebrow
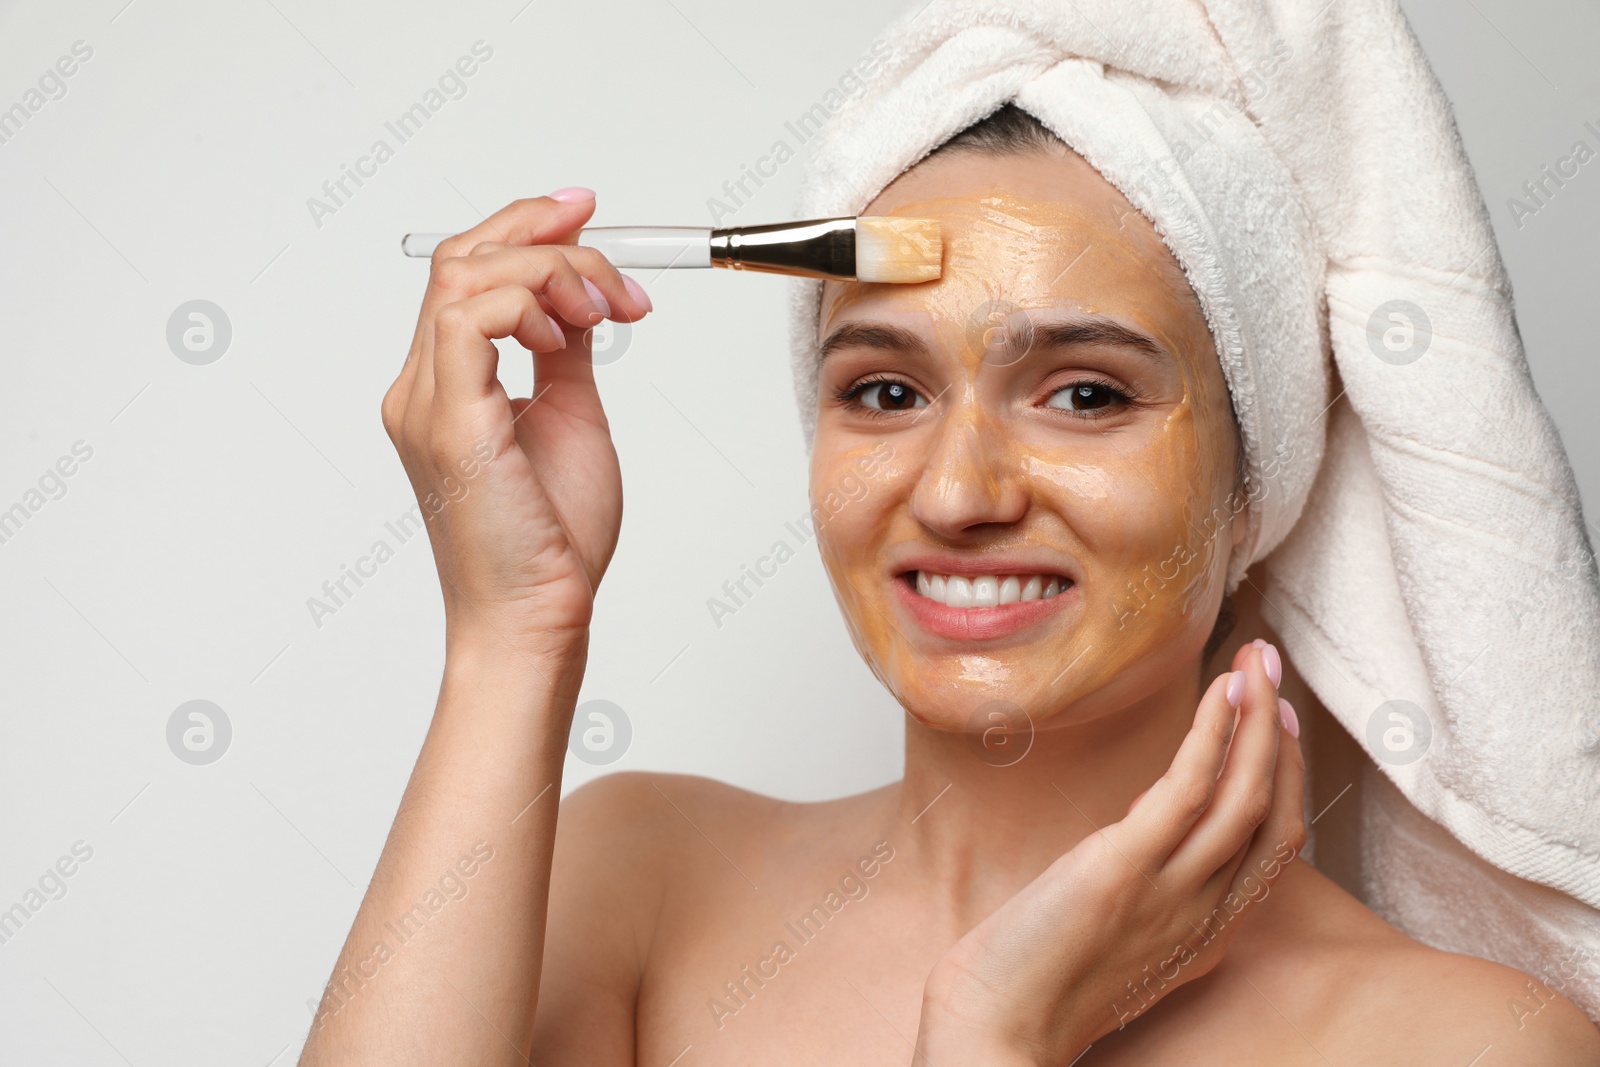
x=1088 y=330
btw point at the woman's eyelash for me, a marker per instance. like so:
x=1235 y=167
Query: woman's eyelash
x=1121 y=397
x=851 y=394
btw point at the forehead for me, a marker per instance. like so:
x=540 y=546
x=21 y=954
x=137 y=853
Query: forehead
x=1034 y=230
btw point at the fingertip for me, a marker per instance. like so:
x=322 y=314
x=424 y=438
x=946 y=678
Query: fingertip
x=602 y=306
x=1286 y=715
x=1236 y=687
x=636 y=291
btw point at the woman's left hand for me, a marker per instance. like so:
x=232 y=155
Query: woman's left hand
x=1055 y=968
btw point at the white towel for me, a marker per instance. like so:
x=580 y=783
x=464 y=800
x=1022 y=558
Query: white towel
x=1419 y=522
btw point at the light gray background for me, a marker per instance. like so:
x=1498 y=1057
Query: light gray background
x=219 y=498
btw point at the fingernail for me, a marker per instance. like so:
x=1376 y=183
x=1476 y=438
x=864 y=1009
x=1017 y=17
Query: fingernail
x=1259 y=643
x=572 y=194
x=556 y=326
x=1269 y=656
x=598 y=297
x=1286 y=715
x=1236 y=688
x=636 y=291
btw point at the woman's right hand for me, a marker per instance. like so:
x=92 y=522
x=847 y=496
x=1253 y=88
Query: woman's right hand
x=522 y=498
x=1142 y=906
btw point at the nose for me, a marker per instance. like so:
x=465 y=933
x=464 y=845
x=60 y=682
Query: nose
x=972 y=477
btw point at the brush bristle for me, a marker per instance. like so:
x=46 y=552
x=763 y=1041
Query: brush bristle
x=891 y=249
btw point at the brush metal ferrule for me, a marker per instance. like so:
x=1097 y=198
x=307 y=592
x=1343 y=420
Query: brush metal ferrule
x=816 y=248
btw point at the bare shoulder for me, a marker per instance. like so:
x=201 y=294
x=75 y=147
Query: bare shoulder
x=1371 y=994
x=648 y=830
x=1455 y=1003
x=649 y=809
x=625 y=845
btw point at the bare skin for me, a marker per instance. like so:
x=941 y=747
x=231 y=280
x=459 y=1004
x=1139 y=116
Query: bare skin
x=986 y=908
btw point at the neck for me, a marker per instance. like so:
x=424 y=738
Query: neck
x=977 y=832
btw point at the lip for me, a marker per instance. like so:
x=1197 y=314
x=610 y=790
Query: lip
x=977 y=624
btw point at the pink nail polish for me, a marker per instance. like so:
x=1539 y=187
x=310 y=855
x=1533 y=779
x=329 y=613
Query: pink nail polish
x=1286 y=715
x=636 y=291
x=1269 y=656
x=1235 y=692
x=572 y=194
x=597 y=297
x=556 y=326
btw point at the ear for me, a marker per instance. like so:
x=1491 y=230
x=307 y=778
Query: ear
x=1241 y=524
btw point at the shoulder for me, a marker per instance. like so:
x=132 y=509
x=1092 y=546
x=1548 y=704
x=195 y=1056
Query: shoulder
x=1456 y=1003
x=1406 y=1002
x=1357 y=989
x=680 y=833
x=646 y=805
x=624 y=844
x=646 y=827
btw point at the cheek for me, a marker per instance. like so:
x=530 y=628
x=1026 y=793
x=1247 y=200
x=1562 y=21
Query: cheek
x=851 y=494
x=1143 y=510
x=852 y=540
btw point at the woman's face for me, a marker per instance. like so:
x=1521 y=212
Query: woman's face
x=1048 y=416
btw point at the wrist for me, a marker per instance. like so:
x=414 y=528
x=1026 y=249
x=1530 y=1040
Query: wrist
x=545 y=674
x=945 y=1048
x=948 y=1038
x=502 y=645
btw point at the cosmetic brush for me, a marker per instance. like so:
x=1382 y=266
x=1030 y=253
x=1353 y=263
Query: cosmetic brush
x=869 y=249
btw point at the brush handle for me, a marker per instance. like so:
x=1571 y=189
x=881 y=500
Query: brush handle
x=650 y=247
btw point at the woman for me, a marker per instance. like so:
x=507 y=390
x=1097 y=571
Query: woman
x=1086 y=852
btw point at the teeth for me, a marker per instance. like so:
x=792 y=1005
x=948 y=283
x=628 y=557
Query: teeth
x=989 y=590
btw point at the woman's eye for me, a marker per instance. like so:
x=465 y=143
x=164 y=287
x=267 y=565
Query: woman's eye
x=889 y=396
x=1086 y=396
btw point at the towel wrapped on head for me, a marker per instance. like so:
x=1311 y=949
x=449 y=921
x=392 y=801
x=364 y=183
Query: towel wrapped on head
x=1424 y=553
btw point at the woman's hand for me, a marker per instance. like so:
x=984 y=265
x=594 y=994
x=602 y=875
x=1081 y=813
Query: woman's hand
x=1138 y=908
x=522 y=498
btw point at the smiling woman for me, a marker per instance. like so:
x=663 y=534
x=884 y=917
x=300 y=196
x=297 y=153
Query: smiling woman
x=1063 y=455
x=1037 y=481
